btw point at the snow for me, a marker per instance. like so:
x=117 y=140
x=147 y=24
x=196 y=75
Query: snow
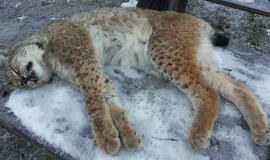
x=245 y=1
x=56 y=113
x=268 y=32
x=21 y=18
x=18 y=4
x=130 y=4
x=54 y=19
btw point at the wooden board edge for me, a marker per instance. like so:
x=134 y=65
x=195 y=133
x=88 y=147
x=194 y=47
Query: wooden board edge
x=241 y=7
x=16 y=132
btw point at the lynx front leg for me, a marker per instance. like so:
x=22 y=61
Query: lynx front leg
x=90 y=80
x=178 y=64
x=120 y=118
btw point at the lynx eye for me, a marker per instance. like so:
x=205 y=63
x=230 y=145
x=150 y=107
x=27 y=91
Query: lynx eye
x=29 y=66
x=31 y=77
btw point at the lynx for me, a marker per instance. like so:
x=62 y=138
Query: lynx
x=180 y=46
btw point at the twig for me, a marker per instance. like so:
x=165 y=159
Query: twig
x=166 y=139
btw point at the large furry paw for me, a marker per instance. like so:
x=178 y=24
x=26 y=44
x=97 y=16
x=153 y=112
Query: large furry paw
x=198 y=141
x=261 y=137
x=126 y=130
x=130 y=138
x=108 y=140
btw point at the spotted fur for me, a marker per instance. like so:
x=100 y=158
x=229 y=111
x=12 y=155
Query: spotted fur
x=178 y=45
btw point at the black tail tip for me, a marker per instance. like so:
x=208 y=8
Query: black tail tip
x=220 y=40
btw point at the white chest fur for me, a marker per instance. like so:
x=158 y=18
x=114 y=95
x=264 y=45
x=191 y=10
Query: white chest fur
x=121 y=40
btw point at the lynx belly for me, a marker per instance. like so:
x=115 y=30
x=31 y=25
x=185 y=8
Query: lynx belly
x=123 y=44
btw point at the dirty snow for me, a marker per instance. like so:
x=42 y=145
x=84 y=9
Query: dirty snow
x=18 y=4
x=56 y=113
x=51 y=1
x=245 y=1
x=56 y=19
x=2 y=60
x=130 y=4
x=268 y=32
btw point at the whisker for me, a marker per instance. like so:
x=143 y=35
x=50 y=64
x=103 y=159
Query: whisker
x=14 y=71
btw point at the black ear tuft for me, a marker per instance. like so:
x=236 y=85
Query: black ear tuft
x=219 y=40
x=40 y=45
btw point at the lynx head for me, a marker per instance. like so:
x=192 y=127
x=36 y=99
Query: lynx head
x=25 y=65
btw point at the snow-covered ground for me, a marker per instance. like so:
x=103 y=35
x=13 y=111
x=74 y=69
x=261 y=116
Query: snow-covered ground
x=56 y=113
x=245 y=1
x=130 y=4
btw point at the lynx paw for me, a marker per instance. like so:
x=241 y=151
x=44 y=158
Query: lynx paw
x=108 y=141
x=198 y=142
x=261 y=137
x=127 y=133
x=130 y=139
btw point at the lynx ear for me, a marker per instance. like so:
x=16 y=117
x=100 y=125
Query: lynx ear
x=38 y=40
x=3 y=62
x=40 y=45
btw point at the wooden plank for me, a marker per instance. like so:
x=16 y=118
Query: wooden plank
x=178 y=5
x=8 y=121
x=144 y=85
x=261 y=7
x=162 y=5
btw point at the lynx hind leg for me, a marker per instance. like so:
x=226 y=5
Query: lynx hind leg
x=239 y=94
x=120 y=118
x=90 y=80
x=178 y=64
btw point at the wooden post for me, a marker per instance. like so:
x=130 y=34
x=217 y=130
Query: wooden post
x=177 y=5
x=162 y=5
